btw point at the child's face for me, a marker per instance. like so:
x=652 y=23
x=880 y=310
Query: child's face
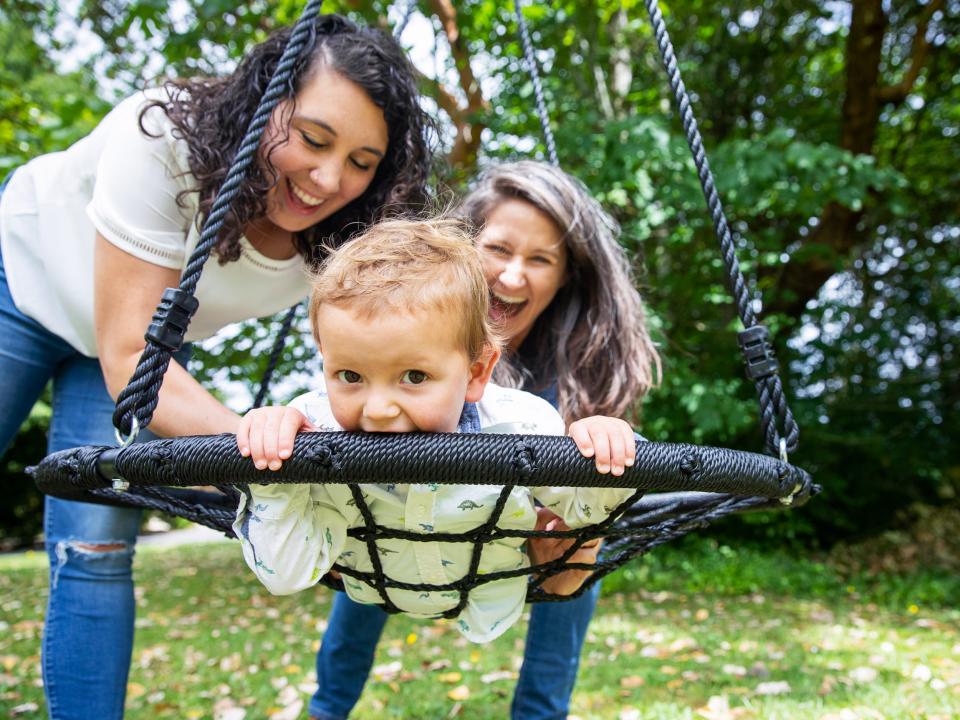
x=397 y=371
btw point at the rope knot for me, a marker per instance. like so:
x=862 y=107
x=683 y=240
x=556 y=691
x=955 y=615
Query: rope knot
x=691 y=463
x=524 y=461
x=325 y=455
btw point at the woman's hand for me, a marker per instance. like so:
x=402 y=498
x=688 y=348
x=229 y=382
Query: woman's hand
x=266 y=434
x=610 y=441
x=545 y=549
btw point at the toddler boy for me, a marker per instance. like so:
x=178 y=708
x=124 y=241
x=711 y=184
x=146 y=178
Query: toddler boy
x=400 y=316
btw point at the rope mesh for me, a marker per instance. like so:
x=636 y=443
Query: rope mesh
x=158 y=470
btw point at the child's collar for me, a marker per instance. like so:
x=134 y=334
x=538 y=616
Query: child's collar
x=469 y=419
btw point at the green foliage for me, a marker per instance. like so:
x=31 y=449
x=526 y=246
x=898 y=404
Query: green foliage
x=41 y=109
x=870 y=363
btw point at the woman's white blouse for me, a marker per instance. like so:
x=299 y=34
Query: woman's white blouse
x=124 y=184
x=292 y=534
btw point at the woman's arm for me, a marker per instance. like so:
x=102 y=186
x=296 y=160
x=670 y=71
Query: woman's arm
x=126 y=293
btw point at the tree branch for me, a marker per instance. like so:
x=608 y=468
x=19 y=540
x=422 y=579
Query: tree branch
x=919 y=52
x=464 y=153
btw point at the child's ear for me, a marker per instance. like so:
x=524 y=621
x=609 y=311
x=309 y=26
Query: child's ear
x=480 y=372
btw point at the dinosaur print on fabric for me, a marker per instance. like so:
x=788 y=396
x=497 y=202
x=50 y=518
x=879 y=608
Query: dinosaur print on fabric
x=297 y=533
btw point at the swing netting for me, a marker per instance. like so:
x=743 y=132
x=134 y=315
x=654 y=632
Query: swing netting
x=679 y=487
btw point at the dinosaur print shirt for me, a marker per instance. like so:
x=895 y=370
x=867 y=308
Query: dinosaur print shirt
x=292 y=535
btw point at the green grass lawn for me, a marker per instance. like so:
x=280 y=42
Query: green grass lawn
x=693 y=631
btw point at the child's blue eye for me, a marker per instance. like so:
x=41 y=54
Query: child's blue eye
x=414 y=377
x=348 y=376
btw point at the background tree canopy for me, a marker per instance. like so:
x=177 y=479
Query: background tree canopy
x=832 y=129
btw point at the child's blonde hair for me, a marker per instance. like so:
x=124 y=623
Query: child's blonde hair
x=406 y=266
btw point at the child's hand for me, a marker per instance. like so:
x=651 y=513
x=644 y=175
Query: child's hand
x=266 y=435
x=609 y=440
x=545 y=549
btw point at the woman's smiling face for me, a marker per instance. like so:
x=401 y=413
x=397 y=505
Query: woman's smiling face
x=525 y=263
x=337 y=138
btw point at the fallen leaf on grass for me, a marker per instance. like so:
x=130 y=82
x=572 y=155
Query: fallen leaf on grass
x=858 y=713
x=227 y=709
x=498 y=675
x=632 y=681
x=827 y=685
x=461 y=692
x=863 y=675
x=777 y=687
x=29 y=707
x=450 y=677
x=387 y=672
x=718 y=708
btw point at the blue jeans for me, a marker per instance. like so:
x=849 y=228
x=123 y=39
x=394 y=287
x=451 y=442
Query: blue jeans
x=550 y=660
x=88 y=636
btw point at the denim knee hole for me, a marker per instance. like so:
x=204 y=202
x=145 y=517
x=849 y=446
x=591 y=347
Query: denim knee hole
x=107 y=556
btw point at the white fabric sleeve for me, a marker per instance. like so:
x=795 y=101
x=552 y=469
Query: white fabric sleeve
x=134 y=203
x=290 y=535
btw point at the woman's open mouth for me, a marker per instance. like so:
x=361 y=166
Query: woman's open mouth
x=503 y=307
x=300 y=201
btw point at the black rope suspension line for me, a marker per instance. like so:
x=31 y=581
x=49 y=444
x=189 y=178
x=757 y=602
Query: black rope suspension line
x=537 y=87
x=138 y=400
x=275 y=354
x=773 y=404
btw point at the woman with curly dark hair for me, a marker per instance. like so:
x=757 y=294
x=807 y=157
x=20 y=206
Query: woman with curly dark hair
x=91 y=236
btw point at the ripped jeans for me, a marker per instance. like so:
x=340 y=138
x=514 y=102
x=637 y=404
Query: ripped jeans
x=88 y=635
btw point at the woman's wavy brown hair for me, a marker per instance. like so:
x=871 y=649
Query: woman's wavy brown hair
x=592 y=339
x=211 y=115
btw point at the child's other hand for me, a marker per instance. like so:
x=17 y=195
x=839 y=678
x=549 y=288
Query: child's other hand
x=266 y=435
x=608 y=440
x=545 y=549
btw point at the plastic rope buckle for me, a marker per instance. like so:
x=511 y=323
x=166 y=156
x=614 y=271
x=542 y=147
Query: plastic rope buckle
x=758 y=355
x=170 y=322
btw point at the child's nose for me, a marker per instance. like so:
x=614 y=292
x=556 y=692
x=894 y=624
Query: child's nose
x=380 y=407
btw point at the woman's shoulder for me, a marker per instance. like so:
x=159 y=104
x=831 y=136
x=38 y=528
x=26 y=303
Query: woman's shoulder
x=503 y=407
x=140 y=117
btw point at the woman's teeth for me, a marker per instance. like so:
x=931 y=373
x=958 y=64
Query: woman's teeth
x=509 y=300
x=305 y=197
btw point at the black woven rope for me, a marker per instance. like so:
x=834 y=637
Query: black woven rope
x=541 y=106
x=745 y=480
x=275 y=352
x=139 y=399
x=775 y=417
x=443 y=458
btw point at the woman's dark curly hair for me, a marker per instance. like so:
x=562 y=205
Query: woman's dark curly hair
x=212 y=114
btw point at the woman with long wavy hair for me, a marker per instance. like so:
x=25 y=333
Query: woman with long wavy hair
x=92 y=235
x=565 y=300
